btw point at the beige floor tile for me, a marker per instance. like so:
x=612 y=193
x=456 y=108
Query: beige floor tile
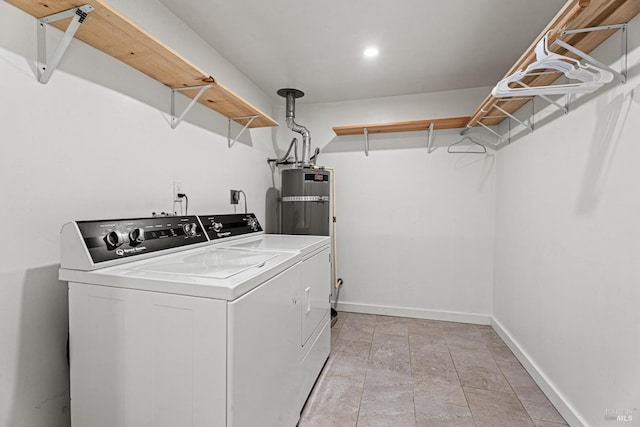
x=382 y=377
x=501 y=353
x=359 y=318
x=495 y=409
x=386 y=405
x=332 y=404
x=430 y=413
x=358 y=349
x=468 y=338
x=477 y=369
x=522 y=383
x=429 y=340
x=432 y=363
x=459 y=328
x=387 y=371
x=539 y=423
x=439 y=390
x=542 y=411
x=392 y=326
x=339 y=321
x=424 y=326
x=356 y=331
x=390 y=352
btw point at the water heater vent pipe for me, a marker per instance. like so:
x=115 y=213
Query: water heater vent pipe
x=291 y=95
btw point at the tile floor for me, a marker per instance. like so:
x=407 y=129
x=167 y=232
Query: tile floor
x=397 y=372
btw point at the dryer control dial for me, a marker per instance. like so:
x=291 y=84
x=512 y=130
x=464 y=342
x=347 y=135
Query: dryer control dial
x=136 y=236
x=115 y=238
x=252 y=222
x=190 y=229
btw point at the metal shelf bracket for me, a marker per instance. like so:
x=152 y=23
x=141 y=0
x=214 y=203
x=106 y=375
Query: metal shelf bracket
x=430 y=138
x=501 y=138
x=366 y=141
x=622 y=76
x=79 y=14
x=506 y=113
x=175 y=121
x=232 y=143
x=563 y=108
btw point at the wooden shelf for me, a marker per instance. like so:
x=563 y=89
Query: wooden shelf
x=575 y=14
x=107 y=30
x=416 y=125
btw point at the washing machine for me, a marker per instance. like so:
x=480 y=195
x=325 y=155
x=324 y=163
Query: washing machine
x=187 y=321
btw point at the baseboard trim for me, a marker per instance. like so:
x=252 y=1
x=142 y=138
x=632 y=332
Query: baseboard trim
x=386 y=310
x=555 y=397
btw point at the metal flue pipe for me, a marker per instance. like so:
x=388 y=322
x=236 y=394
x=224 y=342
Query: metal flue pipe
x=291 y=95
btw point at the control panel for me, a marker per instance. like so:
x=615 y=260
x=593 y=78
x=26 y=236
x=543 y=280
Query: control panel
x=114 y=239
x=221 y=226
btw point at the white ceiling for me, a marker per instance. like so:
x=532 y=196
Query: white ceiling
x=317 y=46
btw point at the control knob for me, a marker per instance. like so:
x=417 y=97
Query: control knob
x=252 y=222
x=136 y=236
x=217 y=226
x=115 y=238
x=190 y=229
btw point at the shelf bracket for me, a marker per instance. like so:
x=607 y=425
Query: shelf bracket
x=79 y=14
x=529 y=127
x=175 y=121
x=622 y=76
x=366 y=141
x=563 y=108
x=430 y=138
x=251 y=119
x=500 y=137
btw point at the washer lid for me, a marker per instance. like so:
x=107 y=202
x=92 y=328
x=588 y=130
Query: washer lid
x=214 y=263
x=209 y=272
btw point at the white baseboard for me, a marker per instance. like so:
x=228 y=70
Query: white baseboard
x=547 y=387
x=386 y=310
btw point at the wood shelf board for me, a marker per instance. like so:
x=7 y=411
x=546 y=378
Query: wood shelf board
x=112 y=33
x=575 y=14
x=407 y=126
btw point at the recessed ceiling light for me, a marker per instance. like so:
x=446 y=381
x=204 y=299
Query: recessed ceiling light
x=371 y=52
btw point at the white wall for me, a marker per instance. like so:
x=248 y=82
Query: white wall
x=95 y=143
x=568 y=251
x=415 y=230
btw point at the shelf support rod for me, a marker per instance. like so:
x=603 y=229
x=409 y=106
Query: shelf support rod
x=513 y=117
x=621 y=76
x=500 y=137
x=79 y=14
x=175 y=121
x=366 y=141
x=563 y=108
x=515 y=98
x=590 y=29
x=251 y=119
x=429 y=137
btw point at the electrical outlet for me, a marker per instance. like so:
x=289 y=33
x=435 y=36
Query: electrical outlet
x=177 y=189
x=234 y=197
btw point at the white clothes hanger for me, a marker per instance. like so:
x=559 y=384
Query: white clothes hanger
x=587 y=77
x=468 y=151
